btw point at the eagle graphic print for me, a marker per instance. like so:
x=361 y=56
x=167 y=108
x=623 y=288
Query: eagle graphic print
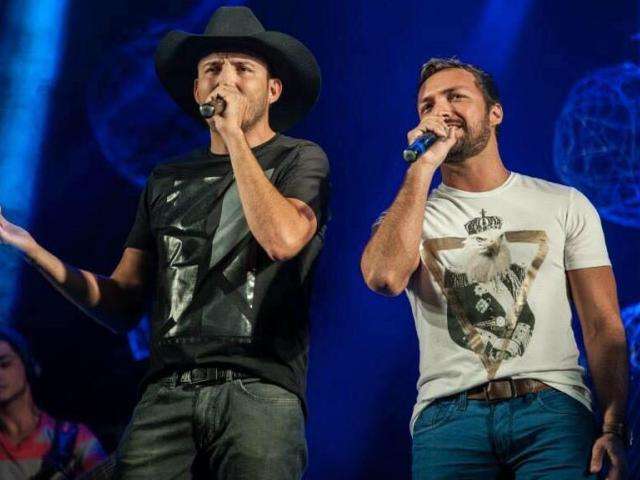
x=485 y=283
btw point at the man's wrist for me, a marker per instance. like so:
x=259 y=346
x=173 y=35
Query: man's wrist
x=231 y=135
x=618 y=429
x=422 y=171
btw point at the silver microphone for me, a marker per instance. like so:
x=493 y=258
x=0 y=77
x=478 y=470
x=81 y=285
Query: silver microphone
x=215 y=107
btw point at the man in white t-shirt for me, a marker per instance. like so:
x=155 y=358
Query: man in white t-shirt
x=485 y=261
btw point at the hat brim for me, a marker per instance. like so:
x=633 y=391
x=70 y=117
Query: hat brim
x=178 y=54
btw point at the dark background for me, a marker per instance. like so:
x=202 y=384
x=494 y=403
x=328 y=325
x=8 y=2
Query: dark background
x=109 y=122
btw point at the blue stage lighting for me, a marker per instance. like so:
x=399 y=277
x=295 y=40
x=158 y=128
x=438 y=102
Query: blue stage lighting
x=631 y=320
x=139 y=339
x=29 y=50
x=494 y=38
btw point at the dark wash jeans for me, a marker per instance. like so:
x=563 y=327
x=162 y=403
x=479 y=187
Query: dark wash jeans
x=544 y=435
x=241 y=430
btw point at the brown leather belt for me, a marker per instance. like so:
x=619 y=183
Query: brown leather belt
x=504 y=389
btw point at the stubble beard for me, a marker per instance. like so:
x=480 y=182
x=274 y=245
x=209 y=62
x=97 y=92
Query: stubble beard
x=256 y=111
x=470 y=145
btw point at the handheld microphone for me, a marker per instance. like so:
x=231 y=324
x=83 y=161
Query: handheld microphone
x=216 y=107
x=419 y=146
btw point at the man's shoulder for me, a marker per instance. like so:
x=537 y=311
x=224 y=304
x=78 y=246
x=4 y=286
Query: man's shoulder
x=306 y=147
x=285 y=140
x=288 y=153
x=540 y=185
x=179 y=162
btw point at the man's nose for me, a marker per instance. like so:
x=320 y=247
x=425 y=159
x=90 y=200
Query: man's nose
x=227 y=74
x=441 y=108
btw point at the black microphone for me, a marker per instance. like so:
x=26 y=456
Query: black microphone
x=216 y=107
x=419 y=146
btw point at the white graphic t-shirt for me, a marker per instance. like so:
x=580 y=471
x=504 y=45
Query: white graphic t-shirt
x=490 y=299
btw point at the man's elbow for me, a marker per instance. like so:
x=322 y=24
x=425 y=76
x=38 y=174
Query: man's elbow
x=604 y=329
x=385 y=282
x=284 y=248
x=288 y=242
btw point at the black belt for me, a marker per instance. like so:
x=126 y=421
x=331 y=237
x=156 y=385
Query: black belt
x=208 y=375
x=505 y=389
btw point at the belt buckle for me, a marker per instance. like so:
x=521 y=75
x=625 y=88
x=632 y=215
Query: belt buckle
x=201 y=375
x=193 y=376
x=185 y=377
x=491 y=386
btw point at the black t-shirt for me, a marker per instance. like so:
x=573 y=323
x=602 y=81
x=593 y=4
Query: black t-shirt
x=220 y=300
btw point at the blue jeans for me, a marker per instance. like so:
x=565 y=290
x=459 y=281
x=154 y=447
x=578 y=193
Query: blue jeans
x=544 y=435
x=238 y=430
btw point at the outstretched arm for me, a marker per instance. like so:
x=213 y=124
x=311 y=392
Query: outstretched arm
x=115 y=301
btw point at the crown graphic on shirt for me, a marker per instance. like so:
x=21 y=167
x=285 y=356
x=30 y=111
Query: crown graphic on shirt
x=483 y=223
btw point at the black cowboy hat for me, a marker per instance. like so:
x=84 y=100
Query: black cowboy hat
x=237 y=29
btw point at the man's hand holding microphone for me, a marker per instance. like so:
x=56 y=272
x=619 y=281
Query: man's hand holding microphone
x=447 y=136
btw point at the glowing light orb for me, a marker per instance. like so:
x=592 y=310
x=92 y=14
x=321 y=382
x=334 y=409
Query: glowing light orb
x=596 y=141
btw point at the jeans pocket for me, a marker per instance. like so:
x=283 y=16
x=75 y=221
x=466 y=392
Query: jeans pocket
x=434 y=415
x=555 y=401
x=266 y=392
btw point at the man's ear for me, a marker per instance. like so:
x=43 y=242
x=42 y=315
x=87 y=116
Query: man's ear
x=275 y=90
x=195 y=91
x=496 y=114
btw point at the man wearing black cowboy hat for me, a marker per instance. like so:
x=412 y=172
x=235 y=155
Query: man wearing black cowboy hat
x=232 y=232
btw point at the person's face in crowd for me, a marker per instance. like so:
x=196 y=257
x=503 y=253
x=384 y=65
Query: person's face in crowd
x=454 y=95
x=13 y=375
x=247 y=74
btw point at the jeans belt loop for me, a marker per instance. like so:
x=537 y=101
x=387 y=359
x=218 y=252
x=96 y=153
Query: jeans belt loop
x=462 y=401
x=513 y=387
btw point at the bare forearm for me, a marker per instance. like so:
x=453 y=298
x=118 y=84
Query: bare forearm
x=608 y=364
x=595 y=296
x=392 y=253
x=99 y=297
x=275 y=223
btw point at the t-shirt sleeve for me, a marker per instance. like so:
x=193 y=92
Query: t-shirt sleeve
x=585 y=246
x=308 y=180
x=88 y=451
x=140 y=236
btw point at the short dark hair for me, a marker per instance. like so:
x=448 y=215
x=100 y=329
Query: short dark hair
x=20 y=346
x=484 y=80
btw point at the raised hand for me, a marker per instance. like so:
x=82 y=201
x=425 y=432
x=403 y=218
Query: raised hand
x=447 y=137
x=14 y=235
x=235 y=112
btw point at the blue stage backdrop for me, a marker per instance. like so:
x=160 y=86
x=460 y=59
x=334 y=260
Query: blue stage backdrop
x=83 y=125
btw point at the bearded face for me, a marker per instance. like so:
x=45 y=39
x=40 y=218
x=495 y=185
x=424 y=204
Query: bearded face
x=256 y=109
x=473 y=141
